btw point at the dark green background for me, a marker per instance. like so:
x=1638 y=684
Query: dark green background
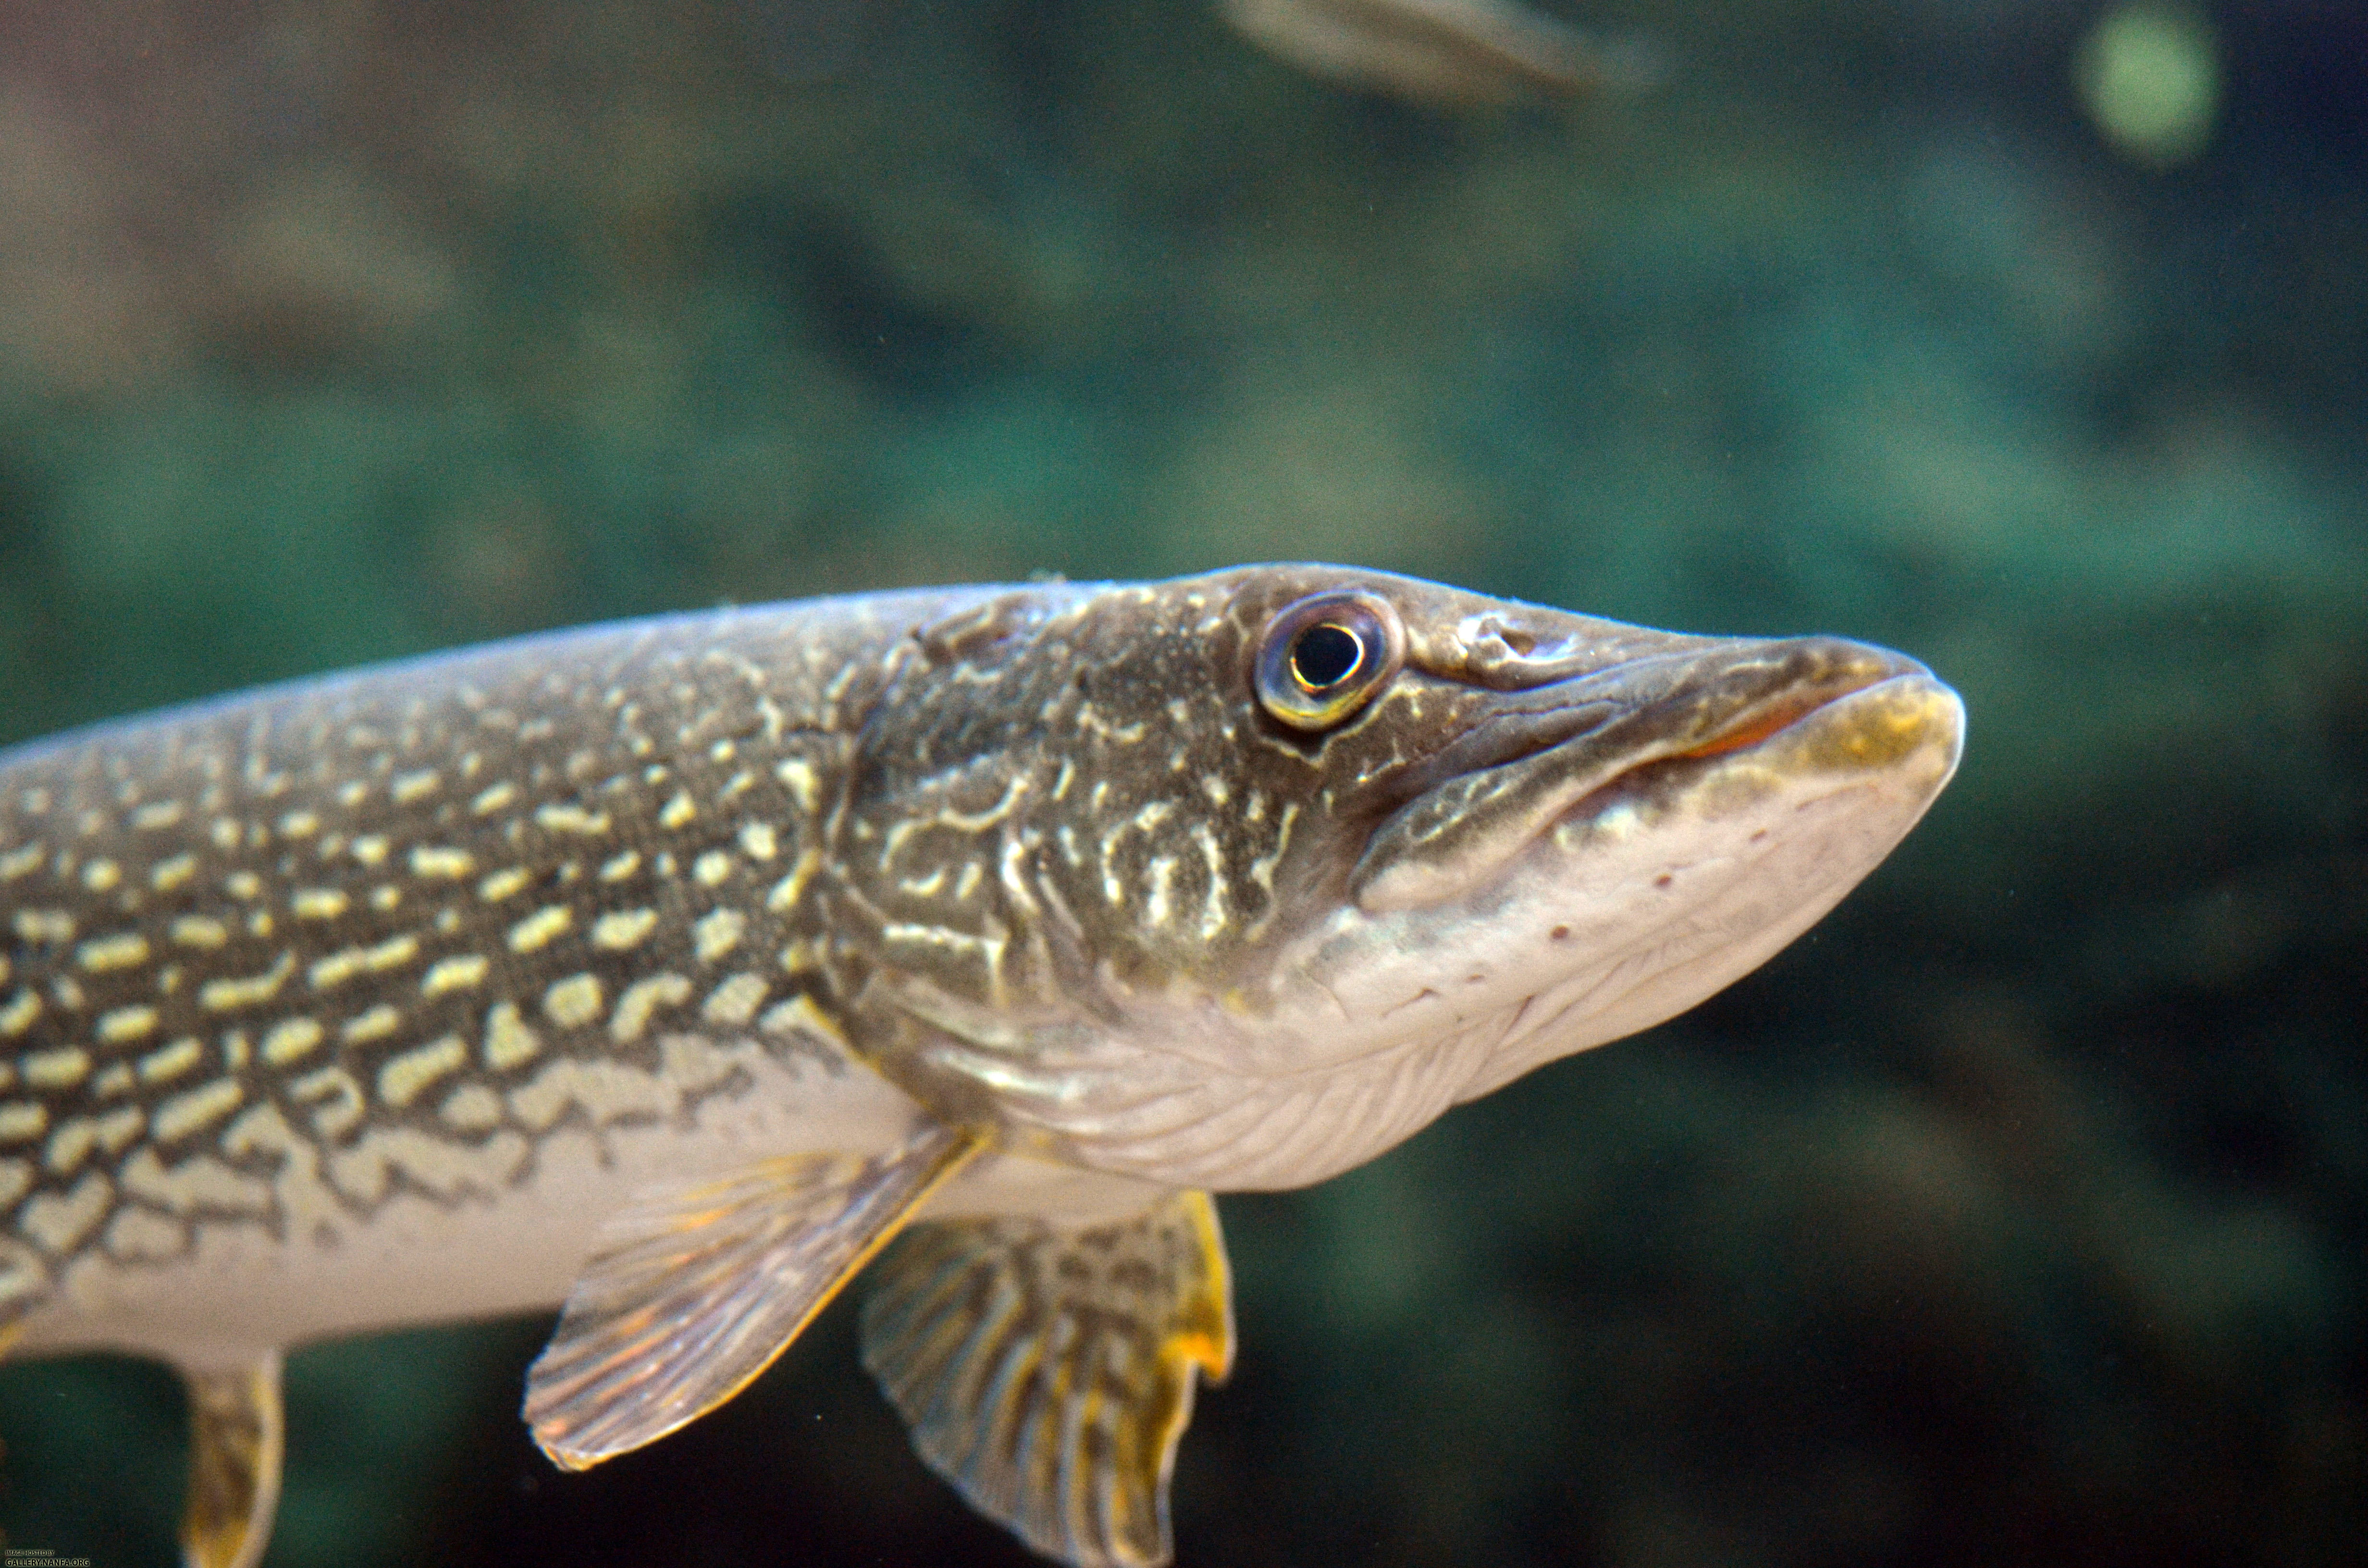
x=2015 y=1215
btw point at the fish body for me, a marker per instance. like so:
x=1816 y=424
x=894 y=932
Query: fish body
x=1446 y=53
x=672 y=970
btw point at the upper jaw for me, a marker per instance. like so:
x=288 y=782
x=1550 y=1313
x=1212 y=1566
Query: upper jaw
x=1545 y=747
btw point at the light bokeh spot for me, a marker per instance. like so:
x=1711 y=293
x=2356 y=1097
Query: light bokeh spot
x=2149 y=77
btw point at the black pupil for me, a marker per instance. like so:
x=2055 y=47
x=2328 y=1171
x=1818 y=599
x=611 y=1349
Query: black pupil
x=1325 y=655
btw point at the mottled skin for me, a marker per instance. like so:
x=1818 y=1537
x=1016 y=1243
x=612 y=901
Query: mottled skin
x=1077 y=852
x=234 y=930
x=363 y=1001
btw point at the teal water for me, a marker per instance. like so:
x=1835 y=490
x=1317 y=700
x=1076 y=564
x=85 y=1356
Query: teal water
x=2017 y=1213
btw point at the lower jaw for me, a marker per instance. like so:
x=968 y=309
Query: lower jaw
x=1683 y=876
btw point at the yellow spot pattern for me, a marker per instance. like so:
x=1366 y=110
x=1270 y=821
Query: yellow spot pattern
x=509 y=1041
x=200 y=1108
x=402 y=1079
x=623 y=929
x=538 y=929
x=454 y=974
x=289 y=1041
x=573 y=1002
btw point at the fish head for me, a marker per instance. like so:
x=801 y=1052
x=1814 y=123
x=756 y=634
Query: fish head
x=1236 y=880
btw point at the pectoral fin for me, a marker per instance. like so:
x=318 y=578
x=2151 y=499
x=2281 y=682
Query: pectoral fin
x=691 y=1293
x=236 y=1441
x=1048 y=1373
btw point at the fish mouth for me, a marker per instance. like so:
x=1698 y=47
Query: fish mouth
x=1880 y=726
x=1800 y=705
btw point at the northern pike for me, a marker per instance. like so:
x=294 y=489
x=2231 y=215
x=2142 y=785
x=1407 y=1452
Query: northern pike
x=667 y=972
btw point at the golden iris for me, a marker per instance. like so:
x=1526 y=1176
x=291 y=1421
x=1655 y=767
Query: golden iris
x=1325 y=656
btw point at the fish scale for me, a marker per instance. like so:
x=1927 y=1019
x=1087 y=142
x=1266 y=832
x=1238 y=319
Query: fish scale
x=671 y=971
x=355 y=908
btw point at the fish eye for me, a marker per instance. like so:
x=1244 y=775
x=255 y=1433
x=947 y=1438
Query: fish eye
x=1325 y=656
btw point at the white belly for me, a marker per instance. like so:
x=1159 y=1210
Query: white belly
x=490 y=1243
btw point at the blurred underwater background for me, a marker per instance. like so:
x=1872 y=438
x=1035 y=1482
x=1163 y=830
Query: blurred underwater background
x=2017 y=1213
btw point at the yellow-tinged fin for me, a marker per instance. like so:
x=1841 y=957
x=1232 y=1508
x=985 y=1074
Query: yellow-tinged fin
x=693 y=1291
x=1048 y=1373
x=236 y=1440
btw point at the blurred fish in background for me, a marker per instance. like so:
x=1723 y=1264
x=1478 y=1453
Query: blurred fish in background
x=2018 y=1214
x=1447 y=53
x=1451 y=53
